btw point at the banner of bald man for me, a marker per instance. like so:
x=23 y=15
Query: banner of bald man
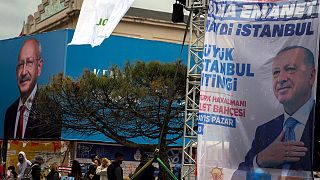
x=28 y=63
x=258 y=90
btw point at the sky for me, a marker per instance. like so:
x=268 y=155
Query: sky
x=14 y=12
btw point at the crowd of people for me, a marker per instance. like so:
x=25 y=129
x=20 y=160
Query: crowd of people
x=99 y=169
x=104 y=169
x=31 y=169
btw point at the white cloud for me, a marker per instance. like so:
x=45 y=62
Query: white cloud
x=12 y=15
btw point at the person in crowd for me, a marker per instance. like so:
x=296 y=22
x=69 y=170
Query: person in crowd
x=148 y=173
x=114 y=171
x=91 y=174
x=36 y=168
x=24 y=119
x=102 y=169
x=76 y=172
x=11 y=173
x=24 y=165
x=54 y=173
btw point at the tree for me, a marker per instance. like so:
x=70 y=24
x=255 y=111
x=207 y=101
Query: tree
x=143 y=100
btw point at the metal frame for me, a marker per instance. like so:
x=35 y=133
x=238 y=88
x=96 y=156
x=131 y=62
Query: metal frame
x=198 y=13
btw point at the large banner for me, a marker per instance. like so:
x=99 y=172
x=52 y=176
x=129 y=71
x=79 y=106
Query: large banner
x=28 y=64
x=257 y=100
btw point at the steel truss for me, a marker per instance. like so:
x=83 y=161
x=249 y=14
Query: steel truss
x=198 y=14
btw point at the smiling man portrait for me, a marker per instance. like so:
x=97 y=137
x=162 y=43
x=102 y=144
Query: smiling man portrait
x=286 y=141
x=20 y=120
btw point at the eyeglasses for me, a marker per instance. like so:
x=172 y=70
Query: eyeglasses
x=28 y=62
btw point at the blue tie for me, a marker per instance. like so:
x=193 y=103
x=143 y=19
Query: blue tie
x=289 y=134
x=290 y=124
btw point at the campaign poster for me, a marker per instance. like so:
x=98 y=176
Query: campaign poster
x=258 y=90
x=57 y=57
x=28 y=63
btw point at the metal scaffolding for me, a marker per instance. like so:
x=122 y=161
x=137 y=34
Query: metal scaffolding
x=198 y=14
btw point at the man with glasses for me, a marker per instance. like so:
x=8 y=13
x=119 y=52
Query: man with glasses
x=20 y=120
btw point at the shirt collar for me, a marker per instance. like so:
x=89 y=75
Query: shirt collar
x=29 y=100
x=302 y=114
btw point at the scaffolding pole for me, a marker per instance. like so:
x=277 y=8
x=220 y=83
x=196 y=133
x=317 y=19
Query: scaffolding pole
x=198 y=14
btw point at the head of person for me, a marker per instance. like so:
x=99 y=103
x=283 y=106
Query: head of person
x=293 y=75
x=93 y=157
x=21 y=157
x=29 y=67
x=39 y=160
x=118 y=157
x=75 y=168
x=105 y=162
x=12 y=168
x=97 y=162
x=144 y=158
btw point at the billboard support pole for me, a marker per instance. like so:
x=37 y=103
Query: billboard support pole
x=198 y=12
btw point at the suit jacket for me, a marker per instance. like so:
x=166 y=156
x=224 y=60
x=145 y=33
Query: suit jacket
x=268 y=132
x=43 y=121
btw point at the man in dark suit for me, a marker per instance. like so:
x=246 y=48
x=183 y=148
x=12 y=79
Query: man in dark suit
x=286 y=142
x=22 y=118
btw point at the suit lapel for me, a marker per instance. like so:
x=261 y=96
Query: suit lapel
x=10 y=119
x=307 y=139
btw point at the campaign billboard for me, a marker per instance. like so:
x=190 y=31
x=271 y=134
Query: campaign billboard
x=50 y=55
x=28 y=63
x=258 y=90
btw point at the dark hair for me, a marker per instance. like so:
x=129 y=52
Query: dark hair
x=97 y=159
x=38 y=158
x=12 y=168
x=76 y=169
x=93 y=157
x=144 y=157
x=309 y=59
x=117 y=154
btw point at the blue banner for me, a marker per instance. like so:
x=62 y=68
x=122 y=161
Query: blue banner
x=258 y=89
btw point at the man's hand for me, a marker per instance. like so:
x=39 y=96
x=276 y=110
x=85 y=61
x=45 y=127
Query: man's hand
x=279 y=152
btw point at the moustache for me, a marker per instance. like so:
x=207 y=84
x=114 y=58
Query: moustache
x=282 y=86
x=24 y=78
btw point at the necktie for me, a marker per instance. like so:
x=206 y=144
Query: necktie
x=290 y=124
x=22 y=109
x=289 y=135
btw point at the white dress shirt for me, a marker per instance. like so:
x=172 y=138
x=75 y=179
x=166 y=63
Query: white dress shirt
x=26 y=113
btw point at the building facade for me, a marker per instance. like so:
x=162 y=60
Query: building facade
x=137 y=23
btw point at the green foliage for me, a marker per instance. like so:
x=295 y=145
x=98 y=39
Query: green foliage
x=136 y=101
